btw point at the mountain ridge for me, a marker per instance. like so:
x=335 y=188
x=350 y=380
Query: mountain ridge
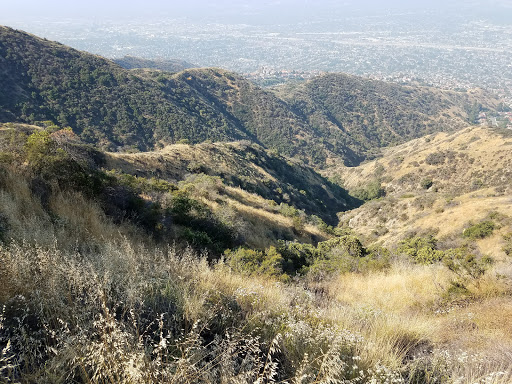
x=329 y=119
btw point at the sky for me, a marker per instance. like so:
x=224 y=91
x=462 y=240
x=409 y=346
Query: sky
x=238 y=11
x=245 y=10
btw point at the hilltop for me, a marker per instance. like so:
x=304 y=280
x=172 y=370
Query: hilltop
x=144 y=109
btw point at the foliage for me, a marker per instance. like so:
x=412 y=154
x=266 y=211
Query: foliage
x=507 y=248
x=480 y=230
x=372 y=191
x=248 y=261
x=466 y=264
x=421 y=250
x=473 y=110
x=356 y=116
x=439 y=157
x=50 y=162
x=341 y=254
x=119 y=109
x=426 y=183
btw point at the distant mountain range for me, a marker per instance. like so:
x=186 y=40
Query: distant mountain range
x=329 y=119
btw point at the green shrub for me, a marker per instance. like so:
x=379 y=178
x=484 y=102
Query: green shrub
x=249 y=261
x=435 y=158
x=182 y=207
x=371 y=191
x=465 y=264
x=507 y=248
x=426 y=183
x=455 y=291
x=296 y=256
x=344 y=244
x=344 y=255
x=480 y=230
x=197 y=238
x=320 y=224
x=142 y=184
x=41 y=151
x=421 y=250
x=378 y=259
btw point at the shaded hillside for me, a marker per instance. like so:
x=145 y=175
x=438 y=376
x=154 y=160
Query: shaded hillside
x=131 y=62
x=102 y=102
x=142 y=109
x=364 y=115
x=215 y=195
x=267 y=118
x=244 y=165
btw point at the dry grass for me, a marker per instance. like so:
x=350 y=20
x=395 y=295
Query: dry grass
x=403 y=313
x=488 y=149
x=466 y=187
x=114 y=311
x=406 y=288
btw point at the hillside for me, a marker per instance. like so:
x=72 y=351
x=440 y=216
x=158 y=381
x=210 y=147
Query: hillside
x=256 y=195
x=131 y=62
x=246 y=166
x=438 y=183
x=102 y=102
x=365 y=115
x=211 y=257
x=112 y=277
x=330 y=119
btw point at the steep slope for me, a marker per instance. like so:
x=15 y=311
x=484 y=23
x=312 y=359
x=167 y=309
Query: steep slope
x=216 y=195
x=364 y=115
x=244 y=165
x=102 y=102
x=436 y=184
x=143 y=109
x=267 y=118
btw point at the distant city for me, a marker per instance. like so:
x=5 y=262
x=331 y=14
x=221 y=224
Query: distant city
x=427 y=48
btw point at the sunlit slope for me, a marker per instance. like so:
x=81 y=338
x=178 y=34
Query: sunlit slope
x=439 y=183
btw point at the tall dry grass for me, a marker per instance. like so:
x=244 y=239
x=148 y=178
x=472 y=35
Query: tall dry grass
x=407 y=318
x=84 y=300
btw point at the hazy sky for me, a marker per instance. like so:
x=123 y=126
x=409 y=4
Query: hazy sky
x=246 y=10
x=29 y=15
